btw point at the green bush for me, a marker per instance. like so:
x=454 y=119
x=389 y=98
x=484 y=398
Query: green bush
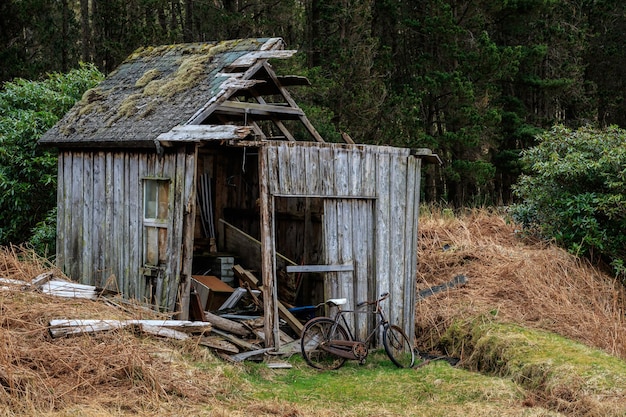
x=573 y=190
x=28 y=172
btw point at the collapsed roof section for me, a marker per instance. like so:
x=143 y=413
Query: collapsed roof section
x=189 y=92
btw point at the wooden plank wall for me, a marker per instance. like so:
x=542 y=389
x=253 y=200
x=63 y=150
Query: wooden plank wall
x=100 y=218
x=371 y=214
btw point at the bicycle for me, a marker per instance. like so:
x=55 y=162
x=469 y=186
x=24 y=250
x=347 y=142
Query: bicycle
x=327 y=343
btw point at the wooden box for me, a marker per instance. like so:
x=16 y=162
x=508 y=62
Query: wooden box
x=212 y=291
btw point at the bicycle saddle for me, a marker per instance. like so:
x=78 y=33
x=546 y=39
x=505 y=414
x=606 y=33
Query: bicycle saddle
x=337 y=301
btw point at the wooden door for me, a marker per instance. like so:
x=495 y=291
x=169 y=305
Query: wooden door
x=349 y=239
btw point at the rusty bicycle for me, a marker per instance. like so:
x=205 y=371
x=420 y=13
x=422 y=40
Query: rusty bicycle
x=327 y=343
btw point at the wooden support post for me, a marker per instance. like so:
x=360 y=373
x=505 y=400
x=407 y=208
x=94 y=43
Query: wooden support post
x=270 y=308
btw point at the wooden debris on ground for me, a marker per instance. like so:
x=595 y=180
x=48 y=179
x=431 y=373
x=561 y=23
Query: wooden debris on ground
x=234 y=331
x=47 y=283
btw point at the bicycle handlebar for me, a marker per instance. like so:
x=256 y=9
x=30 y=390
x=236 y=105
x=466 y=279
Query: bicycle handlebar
x=383 y=296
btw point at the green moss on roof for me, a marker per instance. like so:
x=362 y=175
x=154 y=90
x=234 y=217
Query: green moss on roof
x=166 y=84
x=147 y=77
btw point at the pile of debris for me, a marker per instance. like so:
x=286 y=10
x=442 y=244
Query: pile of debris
x=237 y=324
x=234 y=331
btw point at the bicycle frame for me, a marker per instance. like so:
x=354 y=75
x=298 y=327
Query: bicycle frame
x=356 y=349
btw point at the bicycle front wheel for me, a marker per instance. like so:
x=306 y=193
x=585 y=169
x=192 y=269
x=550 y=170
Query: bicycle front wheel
x=317 y=334
x=398 y=347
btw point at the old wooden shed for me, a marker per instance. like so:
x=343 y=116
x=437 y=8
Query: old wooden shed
x=195 y=153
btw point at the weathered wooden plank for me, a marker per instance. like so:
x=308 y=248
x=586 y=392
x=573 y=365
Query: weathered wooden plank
x=119 y=225
x=218 y=343
x=189 y=217
x=66 y=327
x=320 y=268
x=383 y=223
x=16 y=282
x=61 y=210
x=163 y=332
x=41 y=279
x=129 y=283
x=226 y=324
x=87 y=272
x=291 y=320
x=411 y=243
x=110 y=252
x=251 y=57
x=235 y=340
x=77 y=198
x=268 y=271
x=192 y=133
x=331 y=256
x=143 y=171
x=240 y=357
x=345 y=255
x=361 y=210
x=98 y=215
x=397 y=226
x=257 y=109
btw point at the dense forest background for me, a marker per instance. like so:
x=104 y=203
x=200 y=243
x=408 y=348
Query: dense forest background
x=475 y=81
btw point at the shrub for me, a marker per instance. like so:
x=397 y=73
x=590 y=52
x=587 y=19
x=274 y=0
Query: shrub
x=27 y=171
x=573 y=190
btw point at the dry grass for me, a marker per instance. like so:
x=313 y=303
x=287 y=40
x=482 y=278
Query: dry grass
x=113 y=371
x=518 y=280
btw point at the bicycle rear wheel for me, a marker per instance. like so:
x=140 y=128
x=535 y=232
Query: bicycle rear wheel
x=317 y=334
x=398 y=347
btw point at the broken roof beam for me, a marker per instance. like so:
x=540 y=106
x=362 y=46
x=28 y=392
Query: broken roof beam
x=251 y=58
x=256 y=109
x=197 y=133
x=279 y=124
x=283 y=91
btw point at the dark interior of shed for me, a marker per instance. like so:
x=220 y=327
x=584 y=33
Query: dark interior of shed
x=227 y=226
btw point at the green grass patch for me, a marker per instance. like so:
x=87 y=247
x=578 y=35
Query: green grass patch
x=566 y=375
x=381 y=387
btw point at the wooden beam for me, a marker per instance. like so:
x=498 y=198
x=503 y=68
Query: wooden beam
x=257 y=109
x=283 y=312
x=251 y=57
x=281 y=126
x=320 y=268
x=225 y=324
x=283 y=91
x=197 y=133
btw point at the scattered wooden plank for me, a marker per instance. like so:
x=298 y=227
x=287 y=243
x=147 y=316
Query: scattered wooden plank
x=61 y=328
x=240 y=357
x=163 y=332
x=41 y=279
x=196 y=133
x=218 y=343
x=279 y=365
x=283 y=312
x=69 y=289
x=10 y=281
x=291 y=320
x=235 y=340
x=226 y=324
x=320 y=268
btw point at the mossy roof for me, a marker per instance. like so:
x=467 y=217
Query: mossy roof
x=152 y=91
